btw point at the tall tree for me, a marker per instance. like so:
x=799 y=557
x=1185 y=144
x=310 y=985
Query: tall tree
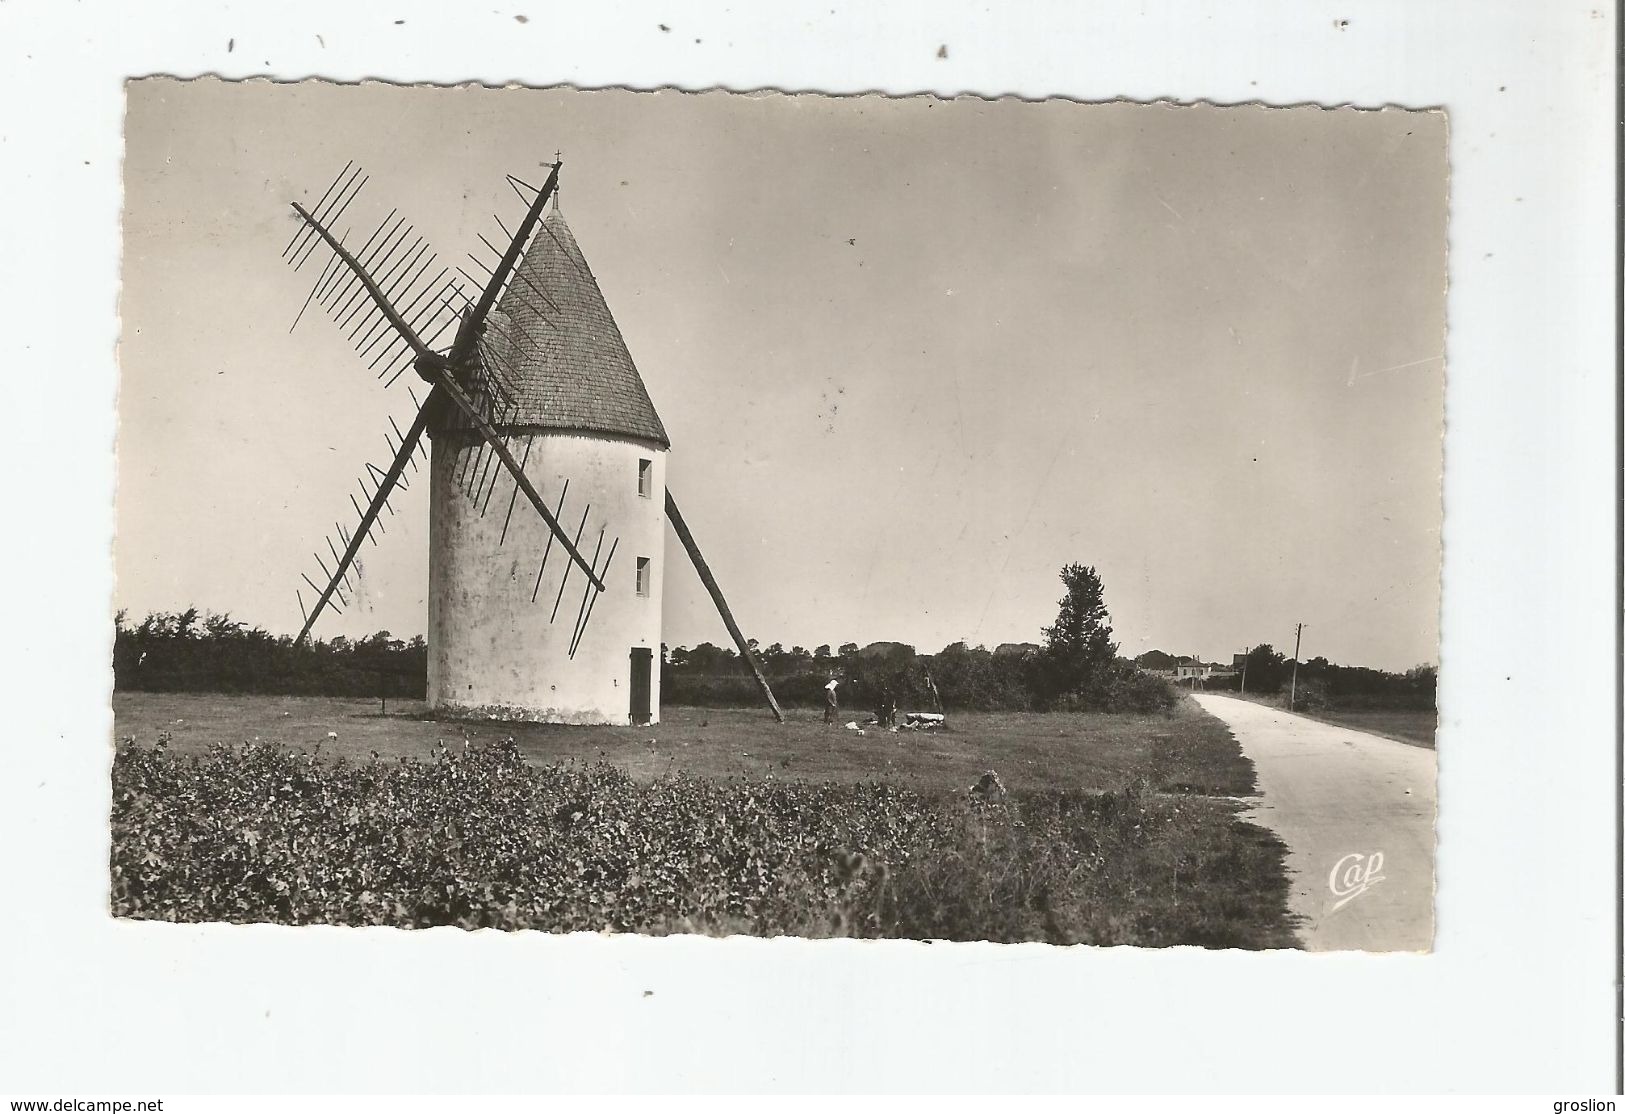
x=1079 y=646
x=1266 y=669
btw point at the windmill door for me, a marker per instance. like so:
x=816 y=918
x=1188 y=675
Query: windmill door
x=642 y=665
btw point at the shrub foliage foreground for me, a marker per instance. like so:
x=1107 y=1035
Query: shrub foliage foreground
x=480 y=838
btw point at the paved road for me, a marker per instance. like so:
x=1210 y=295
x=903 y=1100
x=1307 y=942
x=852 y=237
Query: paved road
x=1337 y=798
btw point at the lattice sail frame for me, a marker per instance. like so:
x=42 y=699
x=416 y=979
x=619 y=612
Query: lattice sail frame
x=437 y=303
x=394 y=305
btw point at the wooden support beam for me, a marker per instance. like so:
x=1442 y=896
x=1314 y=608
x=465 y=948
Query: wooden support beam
x=710 y=582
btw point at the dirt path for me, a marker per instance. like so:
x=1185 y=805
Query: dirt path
x=1340 y=798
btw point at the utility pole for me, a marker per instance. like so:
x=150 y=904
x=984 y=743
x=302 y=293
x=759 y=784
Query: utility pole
x=1292 y=697
x=1245 y=655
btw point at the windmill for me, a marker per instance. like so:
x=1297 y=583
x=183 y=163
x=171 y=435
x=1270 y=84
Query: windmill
x=548 y=462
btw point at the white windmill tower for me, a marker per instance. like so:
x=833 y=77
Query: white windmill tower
x=547 y=480
x=582 y=425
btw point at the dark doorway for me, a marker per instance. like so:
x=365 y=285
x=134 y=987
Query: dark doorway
x=642 y=665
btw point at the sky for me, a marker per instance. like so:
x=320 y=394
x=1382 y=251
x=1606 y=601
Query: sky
x=914 y=355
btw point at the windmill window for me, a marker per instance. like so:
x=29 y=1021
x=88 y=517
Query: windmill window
x=646 y=478
x=643 y=576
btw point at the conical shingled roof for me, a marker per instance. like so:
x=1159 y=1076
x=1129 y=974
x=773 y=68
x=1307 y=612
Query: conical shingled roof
x=554 y=348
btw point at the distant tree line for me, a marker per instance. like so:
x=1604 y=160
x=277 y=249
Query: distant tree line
x=1323 y=684
x=1075 y=669
x=191 y=651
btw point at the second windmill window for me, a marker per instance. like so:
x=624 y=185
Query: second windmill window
x=646 y=478
x=643 y=576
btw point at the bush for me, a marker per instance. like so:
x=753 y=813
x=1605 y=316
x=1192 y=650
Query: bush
x=191 y=651
x=1310 y=696
x=1120 y=687
x=981 y=680
x=478 y=838
x=1123 y=688
x=733 y=690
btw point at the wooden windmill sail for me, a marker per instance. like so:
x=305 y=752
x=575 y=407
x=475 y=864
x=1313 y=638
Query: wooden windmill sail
x=548 y=455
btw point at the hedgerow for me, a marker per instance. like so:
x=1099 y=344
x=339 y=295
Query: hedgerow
x=480 y=838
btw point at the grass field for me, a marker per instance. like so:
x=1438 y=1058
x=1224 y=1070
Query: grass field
x=1118 y=828
x=1405 y=725
x=1187 y=750
x=1401 y=724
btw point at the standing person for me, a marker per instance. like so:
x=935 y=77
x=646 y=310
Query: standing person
x=829 y=701
x=885 y=707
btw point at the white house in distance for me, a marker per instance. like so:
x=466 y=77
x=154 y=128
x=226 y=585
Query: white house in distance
x=501 y=622
x=1180 y=669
